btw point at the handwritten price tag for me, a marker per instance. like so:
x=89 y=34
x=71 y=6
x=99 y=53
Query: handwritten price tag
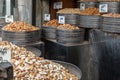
x=62 y=19
x=82 y=6
x=46 y=17
x=103 y=8
x=9 y=19
x=5 y=54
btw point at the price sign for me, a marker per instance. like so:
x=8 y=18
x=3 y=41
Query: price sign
x=5 y=54
x=103 y=8
x=57 y=5
x=9 y=19
x=46 y=17
x=82 y=6
x=62 y=19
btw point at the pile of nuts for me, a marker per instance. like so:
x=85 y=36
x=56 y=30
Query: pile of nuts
x=111 y=15
x=27 y=66
x=69 y=11
x=90 y=11
x=52 y=23
x=68 y=27
x=19 y=26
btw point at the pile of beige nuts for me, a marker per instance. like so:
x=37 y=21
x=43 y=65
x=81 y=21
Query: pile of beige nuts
x=27 y=66
x=68 y=27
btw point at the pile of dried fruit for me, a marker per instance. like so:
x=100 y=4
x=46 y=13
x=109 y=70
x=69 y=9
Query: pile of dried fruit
x=111 y=15
x=90 y=11
x=68 y=27
x=19 y=26
x=52 y=23
x=69 y=11
x=27 y=66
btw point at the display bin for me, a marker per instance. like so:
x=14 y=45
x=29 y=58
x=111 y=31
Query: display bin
x=113 y=6
x=72 y=19
x=49 y=32
x=77 y=54
x=89 y=21
x=88 y=4
x=37 y=48
x=71 y=68
x=70 y=36
x=106 y=51
x=21 y=38
x=111 y=24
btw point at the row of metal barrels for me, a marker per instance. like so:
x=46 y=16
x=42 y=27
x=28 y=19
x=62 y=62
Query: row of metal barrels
x=63 y=36
x=113 y=7
x=108 y=24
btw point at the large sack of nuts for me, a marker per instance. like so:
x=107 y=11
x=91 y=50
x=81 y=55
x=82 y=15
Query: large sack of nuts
x=27 y=66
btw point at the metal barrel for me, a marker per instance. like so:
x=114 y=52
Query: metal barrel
x=89 y=21
x=0 y=29
x=111 y=24
x=88 y=4
x=70 y=18
x=113 y=7
x=21 y=38
x=36 y=47
x=73 y=69
x=49 y=32
x=70 y=36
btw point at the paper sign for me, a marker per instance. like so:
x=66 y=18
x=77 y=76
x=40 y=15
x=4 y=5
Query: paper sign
x=57 y=5
x=62 y=19
x=9 y=19
x=46 y=17
x=103 y=8
x=82 y=6
x=5 y=54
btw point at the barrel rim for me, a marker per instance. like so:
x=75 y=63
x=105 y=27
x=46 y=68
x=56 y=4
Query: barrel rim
x=21 y=31
x=110 y=17
x=90 y=15
x=57 y=61
x=68 y=13
x=70 y=30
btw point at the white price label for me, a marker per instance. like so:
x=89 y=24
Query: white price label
x=62 y=19
x=46 y=17
x=57 y=5
x=9 y=19
x=82 y=6
x=5 y=54
x=103 y=8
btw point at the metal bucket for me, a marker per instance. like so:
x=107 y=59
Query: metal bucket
x=113 y=7
x=70 y=18
x=49 y=32
x=70 y=36
x=88 y=4
x=0 y=29
x=34 y=50
x=71 y=68
x=21 y=38
x=111 y=24
x=89 y=21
